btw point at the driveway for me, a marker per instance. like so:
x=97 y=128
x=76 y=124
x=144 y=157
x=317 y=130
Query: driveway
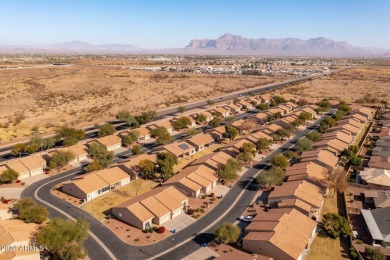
x=179 y=223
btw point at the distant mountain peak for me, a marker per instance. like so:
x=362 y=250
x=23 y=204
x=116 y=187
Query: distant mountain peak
x=235 y=44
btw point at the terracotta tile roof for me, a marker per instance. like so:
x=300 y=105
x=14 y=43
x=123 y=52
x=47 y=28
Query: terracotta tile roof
x=353 y=122
x=79 y=149
x=176 y=194
x=140 y=212
x=199 y=179
x=15 y=230
x=33 y=162
x=112 y=175
x=109 y=140
x=200 y=139
x=273 y=127
x=291 y=234
x=143 y=131
x=320 y=155
x=291 y=104
x=295 y=203
x=336 y=144
x=165 y=124
x=17 y=166
x=272 y=215
x=168 y=200
x=88 y=183
x=379 y=162
x=357 y=117
x=345 y=127
x=219 y=129
x=261 y=134
x=190 y=184
x=178 y=148
x=155 y=206
x=303 y=190
x=340 y=135
x=310 y=169
x=206 y=173
x=135 y=160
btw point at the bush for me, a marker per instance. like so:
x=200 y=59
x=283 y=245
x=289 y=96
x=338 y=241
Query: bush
x=190 y=211
x=161 y=230
x=353 y=255
x=211 y=195
x=358 y=241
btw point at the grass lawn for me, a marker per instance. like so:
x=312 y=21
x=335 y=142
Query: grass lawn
x=324 y=247
x=100 y=206
x=186 y=161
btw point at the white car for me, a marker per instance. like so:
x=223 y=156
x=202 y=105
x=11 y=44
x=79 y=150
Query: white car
x=247 y=219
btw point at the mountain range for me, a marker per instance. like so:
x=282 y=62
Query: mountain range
x=227 y=44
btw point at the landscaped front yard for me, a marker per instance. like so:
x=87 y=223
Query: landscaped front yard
x=101 y=206
x=325 y=247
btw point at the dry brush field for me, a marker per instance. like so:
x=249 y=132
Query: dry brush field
x=357 y=83
x=83 y=94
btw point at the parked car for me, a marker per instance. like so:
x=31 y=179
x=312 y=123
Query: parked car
x=246 y=219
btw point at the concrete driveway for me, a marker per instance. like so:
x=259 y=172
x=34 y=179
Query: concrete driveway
x=180 y=222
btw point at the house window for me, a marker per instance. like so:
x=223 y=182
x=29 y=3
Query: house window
x=103 y=190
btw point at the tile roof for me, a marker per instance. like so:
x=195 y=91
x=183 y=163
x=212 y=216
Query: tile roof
x=109 y=140
x=33 y=162
x=379 y=162
x=376 y=176
x=140 y=211
x=17 y=166
x=336 y=144
x=155 y=206
x=320 y=155
x=88 y=183
x=200 y=139
x=340 y=135
x=112 y=175
x=178 y=148
x=142 y=131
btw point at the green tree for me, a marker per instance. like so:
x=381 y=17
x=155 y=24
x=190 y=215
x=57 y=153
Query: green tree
x=245 y=157
x=147 y=168
x=338 y=115
x=165 y=163
x=217 y=114
x=276 y=137
x=228 y=233
x=336 y=225
x=323 y=128
x=305 y=116
x=181 y=109
x=290 y=155
x=60 y=159
x=181 y=123
x=69 y=136
x=191 y=132
x=283 y=133
x=325 y=104
x=210 y=102
x=230 y=170
x=343 y=107
x=279 y=99
x=9 y=176
x=136 y=150
x=248 y=148
x=29 y=212
x=18 y=149
x=200 y=118
x=262 y=106
x=215 y=122
x=298 y=122
x=236 y=100
x=146 y=117
x=230 y=132
x=330 y=121
x=126 y=117
x=374 y=254
x=161 y=134
x=279 y=161
x=315 y=136
x=102 y=158
x=356 y=161
x=272 y=177
x=304 y=144
x=64 y=239
x=263 y=143
x=106 y=129
x=129 y=139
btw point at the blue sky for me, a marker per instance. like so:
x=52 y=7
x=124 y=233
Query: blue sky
x=172 y=24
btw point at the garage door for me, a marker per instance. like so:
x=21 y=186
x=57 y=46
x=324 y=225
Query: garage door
x=24 y=175
x=165 y=218
x=36 y=172
x=176 y=213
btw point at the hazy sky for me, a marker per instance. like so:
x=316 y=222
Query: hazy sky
x=172 y=24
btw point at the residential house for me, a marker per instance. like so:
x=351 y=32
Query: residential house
x=373 y=176
x=322 y=157
x=233 y=108
x=303 y=190
x=291 y=105
x=244 y=105
x=112 y=142
x=28 y=166
x=333 y=145
x=225 y=112
x=286 y=109
x=17 y=236
x=215 y=161
x=131 y=166
x=340 y=135
x=379 y=162
x=364 y=111
x=94 y=184
x=155 y=206
x=381 y=151
x=266 y=98
x=353 y=122
x=200 y=141
x=309 y=171
x=271 y=129
x=261 y=134
x=357 y=117
x=166 y=124
x=260 y=118
x=144 y=134
x=217 y=133
x=180 y=149
x=297 y=204
x=285 y=236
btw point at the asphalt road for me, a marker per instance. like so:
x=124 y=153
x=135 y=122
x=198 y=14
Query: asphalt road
x=41 y=191
x=91 y=131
